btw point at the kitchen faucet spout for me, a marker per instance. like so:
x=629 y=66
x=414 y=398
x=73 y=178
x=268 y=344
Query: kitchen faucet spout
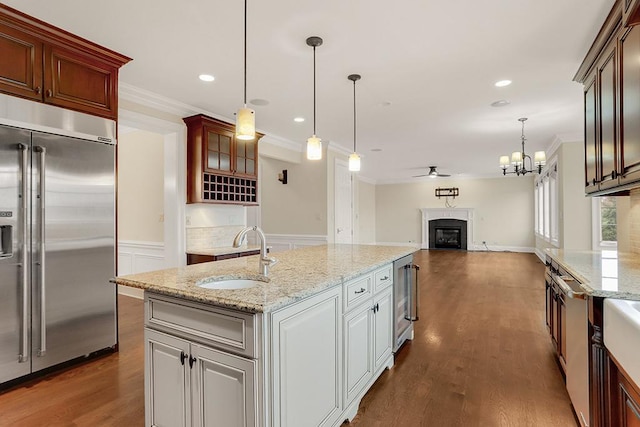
x=265 y=261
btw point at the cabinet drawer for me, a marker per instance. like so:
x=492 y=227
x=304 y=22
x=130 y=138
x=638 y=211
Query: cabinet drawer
x=221 y=328
x=383 y=277
x=357 y=290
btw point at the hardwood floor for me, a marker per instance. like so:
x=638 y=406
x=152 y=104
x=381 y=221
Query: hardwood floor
x=108 y=391
x=481 y=357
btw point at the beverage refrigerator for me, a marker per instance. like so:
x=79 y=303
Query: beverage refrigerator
x=57 y=234
x=405 y=300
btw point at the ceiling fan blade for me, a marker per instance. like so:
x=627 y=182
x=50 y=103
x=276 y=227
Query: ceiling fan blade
x=420 y=176
x=443 y=175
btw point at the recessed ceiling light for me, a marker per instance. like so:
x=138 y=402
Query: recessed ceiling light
x=299 y=119
x=206 y=77
x=501 y=103
x=503 y=83
x=376 y=149
x=259 y=102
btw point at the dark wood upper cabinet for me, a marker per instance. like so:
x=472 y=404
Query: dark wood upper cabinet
x=590 y=132
x=607 y=113
x=629 y=47
x=44 y=63
x=220 y=169
x=610 y=74
x=631 y=12
x=21 y=70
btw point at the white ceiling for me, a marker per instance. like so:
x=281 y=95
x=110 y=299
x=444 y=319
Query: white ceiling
x=435 y=61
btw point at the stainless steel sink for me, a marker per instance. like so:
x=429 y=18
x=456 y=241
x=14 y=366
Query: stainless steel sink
x=622 y=333
x=229 y=284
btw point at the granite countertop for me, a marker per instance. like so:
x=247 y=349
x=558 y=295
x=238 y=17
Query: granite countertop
x=299 y=273
x=608 y=274
x=225 y=250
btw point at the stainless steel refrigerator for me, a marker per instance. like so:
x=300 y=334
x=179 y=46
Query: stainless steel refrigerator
x=406 y=303
x=57 y=225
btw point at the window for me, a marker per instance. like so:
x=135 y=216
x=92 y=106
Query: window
x=546 y=205
x=605 y=223
x=554 y=208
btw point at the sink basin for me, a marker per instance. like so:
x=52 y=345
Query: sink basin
x=622 y=334
x=228 y=284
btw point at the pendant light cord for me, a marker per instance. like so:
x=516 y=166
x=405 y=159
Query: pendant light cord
x=314 y=91
x=245 y=53
x=354 y=116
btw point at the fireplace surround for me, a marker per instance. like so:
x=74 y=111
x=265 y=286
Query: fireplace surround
x=461 y=214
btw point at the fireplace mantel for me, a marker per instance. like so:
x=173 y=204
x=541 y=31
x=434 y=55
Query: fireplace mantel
x=444 y=213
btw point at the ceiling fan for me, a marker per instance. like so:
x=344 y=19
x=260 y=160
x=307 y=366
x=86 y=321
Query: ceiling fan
x=433 y=173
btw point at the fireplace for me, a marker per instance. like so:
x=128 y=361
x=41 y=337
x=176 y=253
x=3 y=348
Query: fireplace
x=453 y=218
x=448 y=234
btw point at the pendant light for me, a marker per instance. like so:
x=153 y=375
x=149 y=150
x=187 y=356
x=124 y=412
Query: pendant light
x=246 y=117
x=314 y=144
x=354 y=158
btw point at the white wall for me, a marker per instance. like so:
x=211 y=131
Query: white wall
x=300 y=206
x=503 y=209
x=366 y=212
x=141 y=187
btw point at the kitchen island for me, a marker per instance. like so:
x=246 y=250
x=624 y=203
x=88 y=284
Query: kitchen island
x=300 y=348
x=596 y=346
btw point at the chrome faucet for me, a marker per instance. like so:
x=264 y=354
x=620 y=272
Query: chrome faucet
x=265 y=261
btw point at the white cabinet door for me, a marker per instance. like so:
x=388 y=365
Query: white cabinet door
x=167 y=382
x=383 y=328
x=307 y=361
x=358 y=366
x=223 y=387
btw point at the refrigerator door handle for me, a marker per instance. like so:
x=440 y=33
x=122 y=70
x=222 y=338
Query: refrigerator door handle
x=23 y=357
x=43 y=300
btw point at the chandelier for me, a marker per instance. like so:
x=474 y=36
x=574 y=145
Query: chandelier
x=518 y=159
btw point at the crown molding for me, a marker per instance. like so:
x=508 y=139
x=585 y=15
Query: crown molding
x=367 y=180
x=332 y=146
x=282 y=143
x=164 y=104
x=560 y=139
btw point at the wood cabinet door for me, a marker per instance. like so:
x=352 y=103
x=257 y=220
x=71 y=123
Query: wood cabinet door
x=607 y=112
x=167 y=380
x=218 y=152
x=358 y=337
x=223 y=388
x=20 y=63
x=630 y=106
x=306 y=361
x=382 y=328
x=590 y=132
x=79 y=82
x=246 y=158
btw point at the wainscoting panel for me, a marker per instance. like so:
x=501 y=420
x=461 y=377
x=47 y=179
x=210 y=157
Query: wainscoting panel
x=138 y=257
x=285 y=242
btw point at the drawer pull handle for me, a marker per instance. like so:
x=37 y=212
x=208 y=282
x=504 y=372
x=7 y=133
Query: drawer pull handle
x=192 y=360
x=360 y=291
x=183 y=356
x=384 y=278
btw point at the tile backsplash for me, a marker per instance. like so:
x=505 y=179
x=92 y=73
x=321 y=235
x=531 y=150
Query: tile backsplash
x=211 y=237
x=634 y=221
